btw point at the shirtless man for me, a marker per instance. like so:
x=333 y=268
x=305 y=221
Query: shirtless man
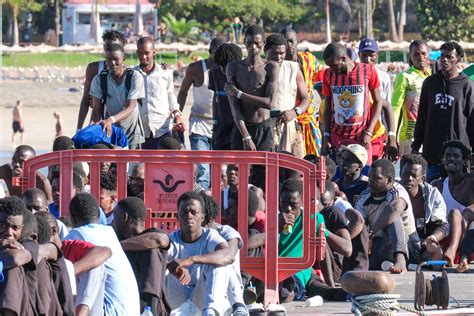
x=458 y=193
x=17 y=125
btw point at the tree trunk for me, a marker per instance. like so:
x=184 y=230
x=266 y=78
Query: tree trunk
x=368 y=12
x=392 y=26
x=16 y=35
x=328 y=23
x=402 y=22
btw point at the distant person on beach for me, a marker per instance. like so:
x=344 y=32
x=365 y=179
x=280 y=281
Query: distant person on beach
x=59 y=124
x=17 y=125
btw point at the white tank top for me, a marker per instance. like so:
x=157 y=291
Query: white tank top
x=287 y=87
x=451 y=203
x=201 y=111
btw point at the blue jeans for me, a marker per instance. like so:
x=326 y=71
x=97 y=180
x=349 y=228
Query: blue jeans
x=433 y=172
x=200 y=142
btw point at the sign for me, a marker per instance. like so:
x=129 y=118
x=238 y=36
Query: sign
x=164 y=183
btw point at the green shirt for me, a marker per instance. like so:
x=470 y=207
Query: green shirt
x=469 y=71
x=291 y=245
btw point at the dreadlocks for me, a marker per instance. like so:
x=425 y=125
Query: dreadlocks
x=227 y=53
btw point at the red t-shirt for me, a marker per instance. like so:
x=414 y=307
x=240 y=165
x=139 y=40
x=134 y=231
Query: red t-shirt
x=259 y=223
x=74 y=250
x=350 y=99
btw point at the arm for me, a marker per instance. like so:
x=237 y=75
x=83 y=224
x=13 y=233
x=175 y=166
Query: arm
x=398 y=97
x=12 y=258
x=129 y=108
x=97 y=110
x=302 y=95
x=356 y=222
x=392 y=148
x=186 y=85
x=47 y=251
x=340 y=242
x=222 y=256
x=94 y=258
x=389 y=214
x=256 y=241
x=374 y=117
x=147 y=241
x=82 y=310
x=326 y=124
x=91 y=71
x=419 y=133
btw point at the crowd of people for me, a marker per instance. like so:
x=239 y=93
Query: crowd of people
x=102 y=260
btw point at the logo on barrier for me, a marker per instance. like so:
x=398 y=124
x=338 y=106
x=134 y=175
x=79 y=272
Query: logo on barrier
x=165 y=183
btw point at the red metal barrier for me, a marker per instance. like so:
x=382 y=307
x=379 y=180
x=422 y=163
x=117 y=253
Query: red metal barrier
x=161 y=187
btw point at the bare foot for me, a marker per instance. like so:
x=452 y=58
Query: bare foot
x=449 y=256
x=400 y=264
x=463 y=265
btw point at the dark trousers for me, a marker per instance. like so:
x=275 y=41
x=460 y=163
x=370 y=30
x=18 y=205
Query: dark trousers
x=153 y=142
x=359 y=260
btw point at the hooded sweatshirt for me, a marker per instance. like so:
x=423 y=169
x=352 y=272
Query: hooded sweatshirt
x=446 y=113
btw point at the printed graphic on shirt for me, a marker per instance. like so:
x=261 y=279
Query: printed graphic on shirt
x=348 y=104
x=444 y=100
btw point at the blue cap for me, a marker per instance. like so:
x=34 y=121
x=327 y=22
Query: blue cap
x=368 y=44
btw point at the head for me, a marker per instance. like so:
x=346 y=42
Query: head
x=335 y=57
x=104 y=166
x=214 y=45
x=30 y=227
x=44 y=230
x=63 y=143
x=169 y=143
x=232 y=175
x=254 y=40
x=211 y=209
x=12 y=212
x=291 y=197
x=353 y=159
x=77 y=184
x=136 y=180
x=190 y=212
x=331 y=168
x=381 y=177
x=22 y=153
x=35 y=200
x=368 y=51
x=146 y=51
x=129 y=217
x=275 y=48
x=419 y=54
x=412 y=171
x=52 y=224
x=108 y=192
x=226 y=54
x=456 y=157
x=328 y=197
x=451 y=55
x=291 y=43
x=115 y=58
x=19 y=103
x=113 y=37
x=233 y=208
x=83 y=209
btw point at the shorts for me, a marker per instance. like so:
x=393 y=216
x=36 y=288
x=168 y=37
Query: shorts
x=262 y=135
x=17 y=127
x=378 y=145
x=337 y=141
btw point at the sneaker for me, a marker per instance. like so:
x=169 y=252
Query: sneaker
x=239 y=309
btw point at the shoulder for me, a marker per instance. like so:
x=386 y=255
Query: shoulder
x=194 y=67
x=271 y=65
x=397 y=191
x=92 y=69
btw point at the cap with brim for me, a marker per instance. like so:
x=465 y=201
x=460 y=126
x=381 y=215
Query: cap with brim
x=368 y=44
x=358 y=151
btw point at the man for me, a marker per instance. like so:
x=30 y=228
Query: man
x=200 y=120
x=121 y=293
x=368 y=54
x=446 y=109
x=15 y=169
x=406 y=93
x=291 y=91
x=77 y=184
x=108 y=195
x=386 y=207
x=136 y=180
x=347 y=87
x=93 y=69
x=118 y=104
x=18 y=124
x=223 y=122
x=458 y=193
x=159 y=105
x=428 y=206
x=256 y=217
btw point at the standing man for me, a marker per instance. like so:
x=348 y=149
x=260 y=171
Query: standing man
x=159 y=107
x=446 y=109
x=120 y=106
x=348 y=87
x=18 y=125
x=406 y=93
x=200 y=120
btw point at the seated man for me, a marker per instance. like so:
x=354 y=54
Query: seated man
x=136 y=180
x=386 y=207
x=428 y=206
x=121 y=293
x=256 y=217
x=108 y=195
x=56 y=189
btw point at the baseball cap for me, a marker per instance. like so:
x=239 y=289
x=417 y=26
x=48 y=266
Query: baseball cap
x=358 y=151
x=368 y=44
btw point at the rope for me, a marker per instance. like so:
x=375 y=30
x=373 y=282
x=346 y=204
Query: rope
x=380 y=304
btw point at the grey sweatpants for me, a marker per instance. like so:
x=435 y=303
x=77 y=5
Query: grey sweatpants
x=90 y=290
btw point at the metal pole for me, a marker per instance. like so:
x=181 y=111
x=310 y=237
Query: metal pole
x=56 y=20
x=328 y=23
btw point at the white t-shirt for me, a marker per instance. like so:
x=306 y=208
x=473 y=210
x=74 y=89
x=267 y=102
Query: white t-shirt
x=385 y=85
x=121 y=290
x=72 y=275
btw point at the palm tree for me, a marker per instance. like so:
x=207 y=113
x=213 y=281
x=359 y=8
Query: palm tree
x=181 y=28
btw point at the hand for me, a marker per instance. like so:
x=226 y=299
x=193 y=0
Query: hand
x=184 y=263
x=391 y=149
x=326 y=146
x=107 y=126
x=288 y=218
x=249 y=145
x=287 y=116
x=183 y=276
x=178 y=124
x=164 y=66
x=12 y=244
x=231 y=90
x=365 y=140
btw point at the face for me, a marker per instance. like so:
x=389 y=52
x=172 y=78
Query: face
x=448 y=60
x=420 y=56
x=56 y=189
x=190 y=216
x=107 y=200
x=35 y=203
x=105 y=167
x=114 y=61
x=232 y=177
x=378 y=183
x=10 y=227
x=136 y=181
x=337 y=64
x=350 y=165
x=223 y=178
x=327 y=199
x=277 y=53
x=292 y=45
x=290 y=202
x=146 y=54
x=18 y=160
x=452 y=160
x=120 y=223
x=411 y=176
x=254 y=45
x=368 y=57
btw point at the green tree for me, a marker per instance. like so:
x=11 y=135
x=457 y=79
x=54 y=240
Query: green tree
x=446 y=19
x=16 y=7
x=182 y=28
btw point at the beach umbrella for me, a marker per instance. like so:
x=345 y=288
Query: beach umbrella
x=138 y=19
x=96 y=32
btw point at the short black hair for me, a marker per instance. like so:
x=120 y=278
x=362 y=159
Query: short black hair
x=414 y=159
x=114 y=47
x=227 y=53
x=77 y=181
x=452 y=45
x=30 y=225
x=28 y=194
x=145 y=40
x=292 y=185
x=191 y=195
x=334 y=50
x=12 y=206
x=286 y=31
x=274 y=40
x=169 y=143
x=48 y=216
x=44 y=229
x=331 y=167
x=287 y=173
x=211 y=208
x=25 y=148
x=102 y=145
x=253 y=201
x=63 y=143
x=134 y=207
x=112 y=35
x=232 y=166
x=216 y=43
x=329 y=187
x=417 y=43
x=108 y=182
x=466 y=152
x=386 y=166
x=84 y=208
x=253 y=30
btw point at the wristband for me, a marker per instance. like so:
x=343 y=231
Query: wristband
x=239 y=94
x=392 y=134
x=113 y=119
x=369 y=133
x=247 y=138
x=327 y=134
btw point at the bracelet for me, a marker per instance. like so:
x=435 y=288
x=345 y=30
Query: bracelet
x=239 y=94
x=247 y=138
x=327 y=134
x=113 y=119
x=369 y=133
x=392 y=134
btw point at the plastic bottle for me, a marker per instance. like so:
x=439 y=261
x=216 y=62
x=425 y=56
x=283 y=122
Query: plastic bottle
x=314 y=301
x=147 y=311
x=386 y=265
x=287 y=229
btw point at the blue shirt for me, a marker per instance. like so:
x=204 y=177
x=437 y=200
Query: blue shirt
x=53 y=209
